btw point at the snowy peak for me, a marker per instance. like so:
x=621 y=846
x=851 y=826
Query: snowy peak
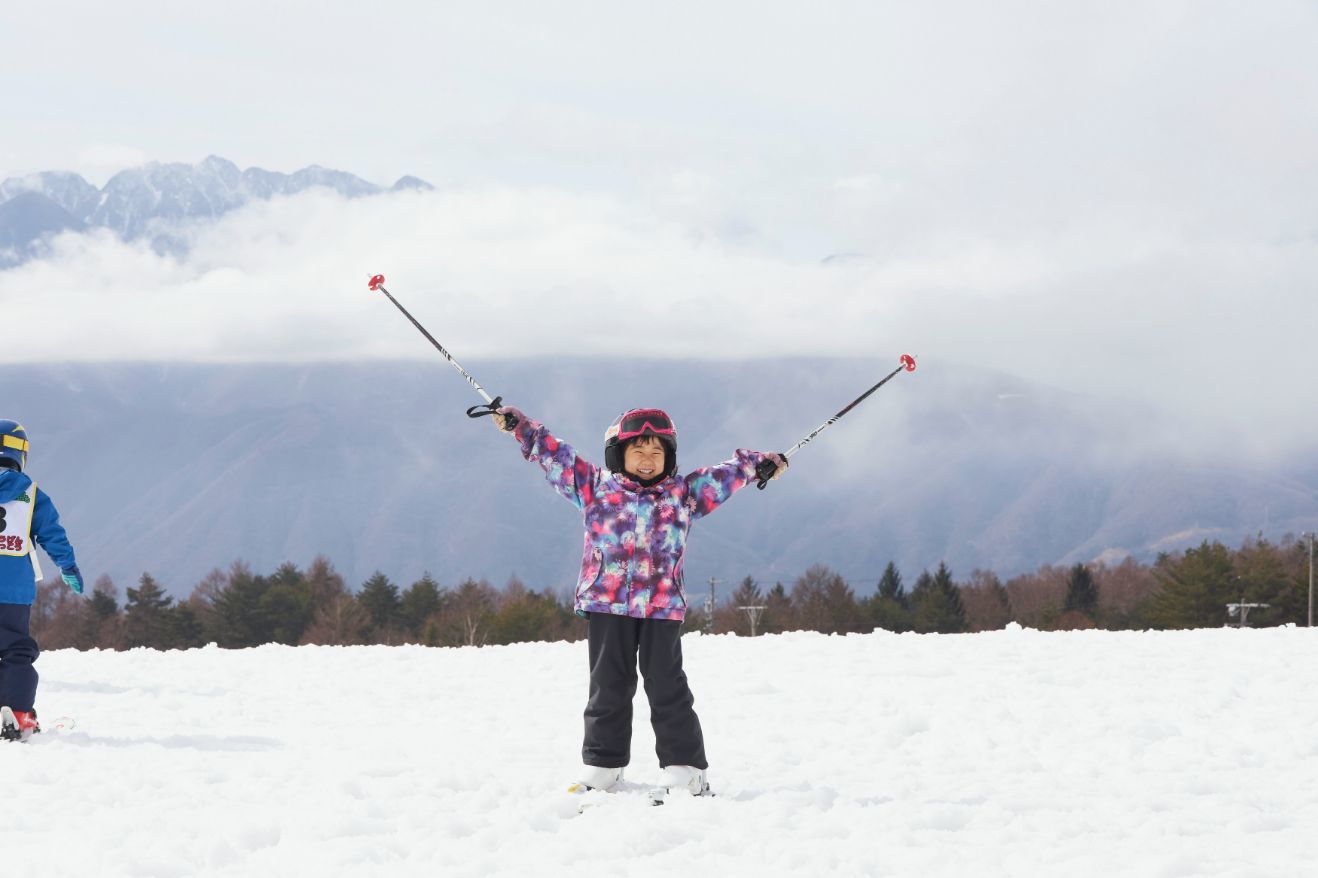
x=135 y=198
x=150 y=200
x=414 y=183
x=70 y=191
x=343 y=183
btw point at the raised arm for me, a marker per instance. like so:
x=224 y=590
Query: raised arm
x=710 y=487
x=571 y=474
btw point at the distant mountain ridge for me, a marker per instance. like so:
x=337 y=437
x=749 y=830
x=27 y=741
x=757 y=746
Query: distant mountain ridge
x=147 y=201
x=180 y=468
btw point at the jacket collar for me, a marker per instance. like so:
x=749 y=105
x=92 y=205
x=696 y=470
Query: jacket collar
x=627 y=483
x=13 y=484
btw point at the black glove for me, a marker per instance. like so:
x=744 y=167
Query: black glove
x=506 y=418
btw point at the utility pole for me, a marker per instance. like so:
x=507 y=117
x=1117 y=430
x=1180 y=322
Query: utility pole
x=1310 y=580
x=710 y=603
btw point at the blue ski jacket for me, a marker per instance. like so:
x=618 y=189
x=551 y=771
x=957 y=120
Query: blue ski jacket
x=18 y=581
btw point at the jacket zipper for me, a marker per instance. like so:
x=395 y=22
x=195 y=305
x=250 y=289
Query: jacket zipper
x=631 y=561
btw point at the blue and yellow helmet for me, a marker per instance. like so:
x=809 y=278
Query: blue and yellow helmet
x=13 y=444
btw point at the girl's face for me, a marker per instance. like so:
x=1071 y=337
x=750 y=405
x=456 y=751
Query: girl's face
x=644 y=457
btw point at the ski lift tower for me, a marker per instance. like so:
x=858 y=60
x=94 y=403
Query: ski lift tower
x=1242 y=610
x=711 y=603
x=753 y=614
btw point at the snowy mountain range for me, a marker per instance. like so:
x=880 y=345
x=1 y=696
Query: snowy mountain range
x=148 y=201
x=178 y=469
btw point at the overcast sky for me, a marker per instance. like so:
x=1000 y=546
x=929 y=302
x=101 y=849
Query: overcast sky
x=1118 y=199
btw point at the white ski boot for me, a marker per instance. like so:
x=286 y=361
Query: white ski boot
x=681 y=779
x=593 y=777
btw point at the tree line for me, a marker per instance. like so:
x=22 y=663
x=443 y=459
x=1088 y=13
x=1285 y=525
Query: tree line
x=239 y=608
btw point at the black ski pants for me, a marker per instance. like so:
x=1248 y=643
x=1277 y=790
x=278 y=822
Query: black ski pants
x=18 y=679
x=615 y=645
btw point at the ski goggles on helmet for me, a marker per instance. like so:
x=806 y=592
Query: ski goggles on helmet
x=13 y=443
x=642 y=421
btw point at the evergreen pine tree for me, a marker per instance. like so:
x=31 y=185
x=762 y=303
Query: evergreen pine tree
x=890 y=586
x=147 y=620
x=1081 y=592
x=888 y=607
x=189 y=632
x=1264 y=578
x=238 y=619
x=101 y=623
x=380 y=599
x=286 y=605
x=746 y=595
x=1194 y=588
x=421 y=601
x=937 y=603
x=924 y=584
x=778 y=613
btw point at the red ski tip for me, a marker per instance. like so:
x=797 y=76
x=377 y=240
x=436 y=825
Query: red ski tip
x=909 y=362
x=376 y=282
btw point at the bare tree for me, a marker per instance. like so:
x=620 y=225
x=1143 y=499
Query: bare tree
x=987 y=604
x=338 y=621
x=1037 y=598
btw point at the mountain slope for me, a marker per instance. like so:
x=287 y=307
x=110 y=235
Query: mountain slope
x=178 y=469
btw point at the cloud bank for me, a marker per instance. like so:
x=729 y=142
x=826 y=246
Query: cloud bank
x=1115 y=202
x=1214 y=328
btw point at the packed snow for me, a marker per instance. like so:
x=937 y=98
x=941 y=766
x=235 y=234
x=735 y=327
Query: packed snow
x=1005 y=753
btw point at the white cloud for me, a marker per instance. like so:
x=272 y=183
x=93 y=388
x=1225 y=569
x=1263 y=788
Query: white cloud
x=1116 y=201
x=1200 y=327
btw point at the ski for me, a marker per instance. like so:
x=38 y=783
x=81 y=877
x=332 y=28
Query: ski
x=653 y=796
x=61 y=725
x=592 y=799
x=9 y=727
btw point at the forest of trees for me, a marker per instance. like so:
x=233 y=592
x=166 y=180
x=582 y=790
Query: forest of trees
x=239 y=608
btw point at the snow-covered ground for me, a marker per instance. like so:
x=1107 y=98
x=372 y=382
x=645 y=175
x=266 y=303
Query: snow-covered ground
x=1009 y=753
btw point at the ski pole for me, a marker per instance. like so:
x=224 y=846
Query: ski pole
x=766 y=469
x=491 y=405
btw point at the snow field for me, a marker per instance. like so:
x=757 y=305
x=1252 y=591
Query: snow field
x=1003 y=753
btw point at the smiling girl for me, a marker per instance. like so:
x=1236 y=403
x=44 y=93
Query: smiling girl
x=637 y=511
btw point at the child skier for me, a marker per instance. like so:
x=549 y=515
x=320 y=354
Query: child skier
x=637 y=511
x=26 y=514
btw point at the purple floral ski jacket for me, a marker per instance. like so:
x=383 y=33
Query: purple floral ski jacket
x=631 y=563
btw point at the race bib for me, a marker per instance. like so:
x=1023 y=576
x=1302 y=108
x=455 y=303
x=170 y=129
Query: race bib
x=16 y=523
